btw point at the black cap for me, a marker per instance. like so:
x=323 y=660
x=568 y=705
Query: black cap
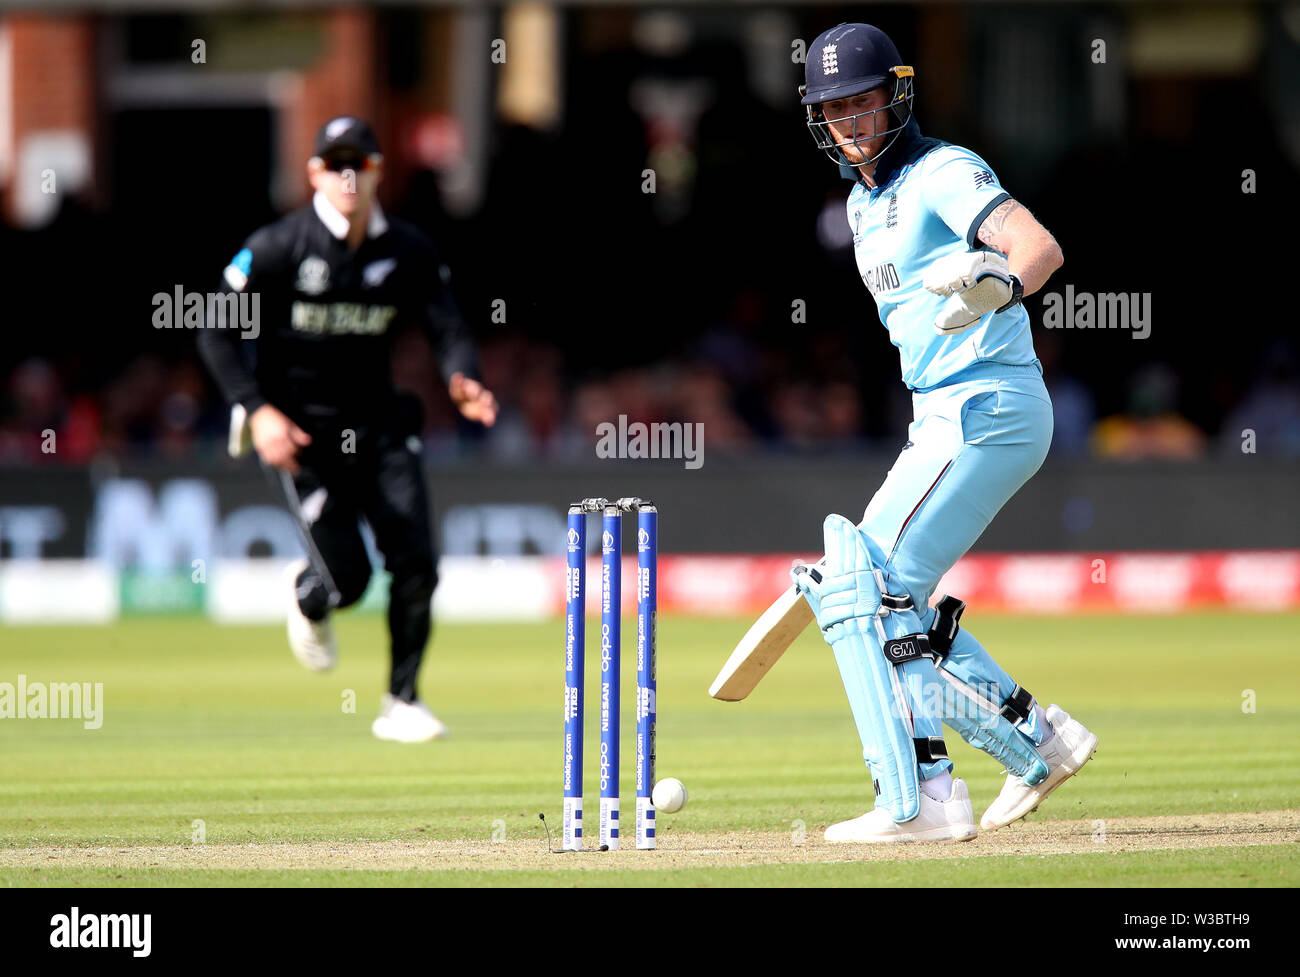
x=848 y=60
x=346 y=134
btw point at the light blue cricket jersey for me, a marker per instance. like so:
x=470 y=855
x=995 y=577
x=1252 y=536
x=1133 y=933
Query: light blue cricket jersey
x=932 y=207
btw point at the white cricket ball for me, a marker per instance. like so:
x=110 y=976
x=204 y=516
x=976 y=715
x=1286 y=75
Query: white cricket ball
x=669 y=795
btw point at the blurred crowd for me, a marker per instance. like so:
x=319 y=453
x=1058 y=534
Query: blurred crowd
x=742 y=392
x=678 y=305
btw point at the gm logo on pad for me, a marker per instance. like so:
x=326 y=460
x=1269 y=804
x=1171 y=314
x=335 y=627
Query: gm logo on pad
x=910 y=648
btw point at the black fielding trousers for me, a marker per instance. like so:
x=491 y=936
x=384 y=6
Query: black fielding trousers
x=382 y=481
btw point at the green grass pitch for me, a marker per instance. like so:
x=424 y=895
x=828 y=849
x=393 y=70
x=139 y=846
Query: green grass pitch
x=221 y=762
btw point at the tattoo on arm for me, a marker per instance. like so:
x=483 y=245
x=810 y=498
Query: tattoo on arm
x=996 y=221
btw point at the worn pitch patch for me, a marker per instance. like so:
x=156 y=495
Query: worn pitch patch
x=688 y=849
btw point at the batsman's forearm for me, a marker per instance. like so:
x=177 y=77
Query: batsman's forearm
x=1034 y=262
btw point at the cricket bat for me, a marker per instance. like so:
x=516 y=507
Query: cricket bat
x=762 y=646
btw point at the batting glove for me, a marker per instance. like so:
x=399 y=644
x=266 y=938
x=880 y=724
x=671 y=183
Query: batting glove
x=976 y=283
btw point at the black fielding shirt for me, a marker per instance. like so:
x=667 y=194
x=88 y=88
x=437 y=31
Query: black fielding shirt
x=328 y=316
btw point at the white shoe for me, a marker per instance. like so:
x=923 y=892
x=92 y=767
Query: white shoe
x=407 y=722
x=312 y=642
x=950 y=820
x=1064 y=754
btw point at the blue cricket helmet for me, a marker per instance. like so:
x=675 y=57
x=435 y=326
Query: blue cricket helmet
x=849 y=60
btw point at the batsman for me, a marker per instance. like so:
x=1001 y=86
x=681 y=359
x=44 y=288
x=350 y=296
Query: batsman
x=947 y=254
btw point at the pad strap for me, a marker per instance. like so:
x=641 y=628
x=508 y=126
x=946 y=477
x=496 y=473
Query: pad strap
x=943 y=632
x=930 y=749
x=908 y=648
x=1018 y=706
x=893 y=603
x=890 y=602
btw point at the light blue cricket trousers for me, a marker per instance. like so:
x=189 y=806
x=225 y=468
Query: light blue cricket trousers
x=971 y=445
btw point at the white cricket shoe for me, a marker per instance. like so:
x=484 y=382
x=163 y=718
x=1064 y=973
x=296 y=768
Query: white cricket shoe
x=406 y=722
x=312 y=642
x=950 y=820
x=1066 y=752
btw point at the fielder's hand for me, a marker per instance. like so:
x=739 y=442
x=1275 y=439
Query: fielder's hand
x=472 y=399
x=276 y=438
x=976 y=283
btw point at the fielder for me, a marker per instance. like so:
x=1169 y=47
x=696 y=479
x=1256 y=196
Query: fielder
x=947 y=255
x=336 y=279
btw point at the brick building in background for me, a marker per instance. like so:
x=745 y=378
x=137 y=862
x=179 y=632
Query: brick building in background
x=47 y=112
x=69 y=81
